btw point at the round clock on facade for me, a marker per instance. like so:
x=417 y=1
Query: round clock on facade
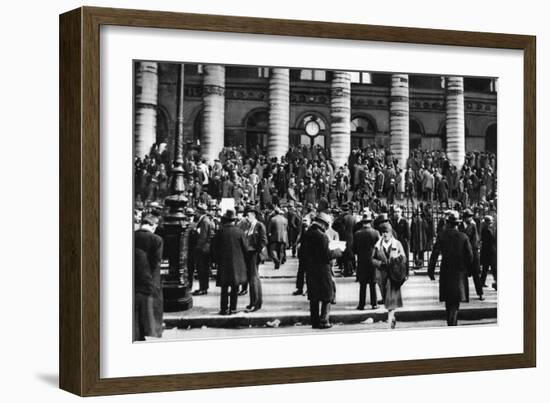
x=312 y=128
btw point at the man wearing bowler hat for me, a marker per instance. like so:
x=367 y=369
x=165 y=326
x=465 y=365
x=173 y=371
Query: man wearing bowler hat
x=456 y=263
x=229 y=248
x=315 y=256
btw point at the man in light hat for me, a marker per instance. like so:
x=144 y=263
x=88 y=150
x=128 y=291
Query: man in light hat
x=315 y=256
x=456 y=263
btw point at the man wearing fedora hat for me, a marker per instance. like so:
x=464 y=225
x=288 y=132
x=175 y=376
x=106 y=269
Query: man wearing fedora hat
x=204 y=232
x=363 y=245
x=229 y=248
x=469 y=227
x=315 y=256
x=456 y=263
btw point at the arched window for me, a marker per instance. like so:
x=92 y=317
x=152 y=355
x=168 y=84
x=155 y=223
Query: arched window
x=363 y=131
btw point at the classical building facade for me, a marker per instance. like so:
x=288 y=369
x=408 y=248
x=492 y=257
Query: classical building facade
x=278 y=107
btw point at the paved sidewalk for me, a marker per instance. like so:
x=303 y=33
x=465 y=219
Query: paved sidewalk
x=281 y=308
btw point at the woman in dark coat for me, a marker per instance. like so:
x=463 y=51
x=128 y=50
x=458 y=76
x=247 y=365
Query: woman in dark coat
x=388 y=250
x=229 y=248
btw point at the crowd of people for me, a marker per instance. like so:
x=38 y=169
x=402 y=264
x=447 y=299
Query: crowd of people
x=307 y=174
x=388 y=219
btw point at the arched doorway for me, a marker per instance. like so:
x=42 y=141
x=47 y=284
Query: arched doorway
x=197 y=128
x=363 y=130
x=415 y=134
x=256 y=129
x=491 y=138
x=163 y=126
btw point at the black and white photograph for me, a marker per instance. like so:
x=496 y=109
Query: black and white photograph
x=275 y=200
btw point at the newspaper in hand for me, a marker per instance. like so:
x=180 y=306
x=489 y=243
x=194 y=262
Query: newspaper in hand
x=337 y=245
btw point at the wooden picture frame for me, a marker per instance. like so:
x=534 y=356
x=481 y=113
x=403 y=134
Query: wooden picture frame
x=80 y=187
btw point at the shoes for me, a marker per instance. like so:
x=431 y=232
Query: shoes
x=298 y=292
x=200 y=292
x=375 y=307
x=360 y=307
x=315 y=326
x=481 y=298
x=243 y=292
x=494 y=286
x=224 y=312
x=252 y=309
x=484 y=286
x=277 y=265
x=393 y=323
x=325 y=325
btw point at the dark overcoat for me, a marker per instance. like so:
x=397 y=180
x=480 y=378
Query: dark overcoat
x=294 y=226
x=488 y=245
x=147 y=279
x=229 y=248
x=403 y=234
x=471 y=232
x=419 y=234
x=315 y=257
x=456 y=262
x=277 y=229
x=363 y=244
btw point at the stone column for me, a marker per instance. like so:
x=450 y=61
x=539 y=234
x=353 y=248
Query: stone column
x=340 y=117
x=213 y=99
x=146 y=107
x=454 y=120
x=399 y=118
x=279 y=107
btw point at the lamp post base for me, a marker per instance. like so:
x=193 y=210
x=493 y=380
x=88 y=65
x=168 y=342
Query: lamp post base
x=176 y=297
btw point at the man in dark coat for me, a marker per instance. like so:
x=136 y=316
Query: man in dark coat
x=256 y=239
x=488 y=249
x=363 y=245
x=229 y=248
x=294 y=228
x=204 y=232
x=148 y=301
x=402 y=230
x=456 y=262
x=277 y=232
x=344 y=226
x=469 y=227
x=316 y=257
